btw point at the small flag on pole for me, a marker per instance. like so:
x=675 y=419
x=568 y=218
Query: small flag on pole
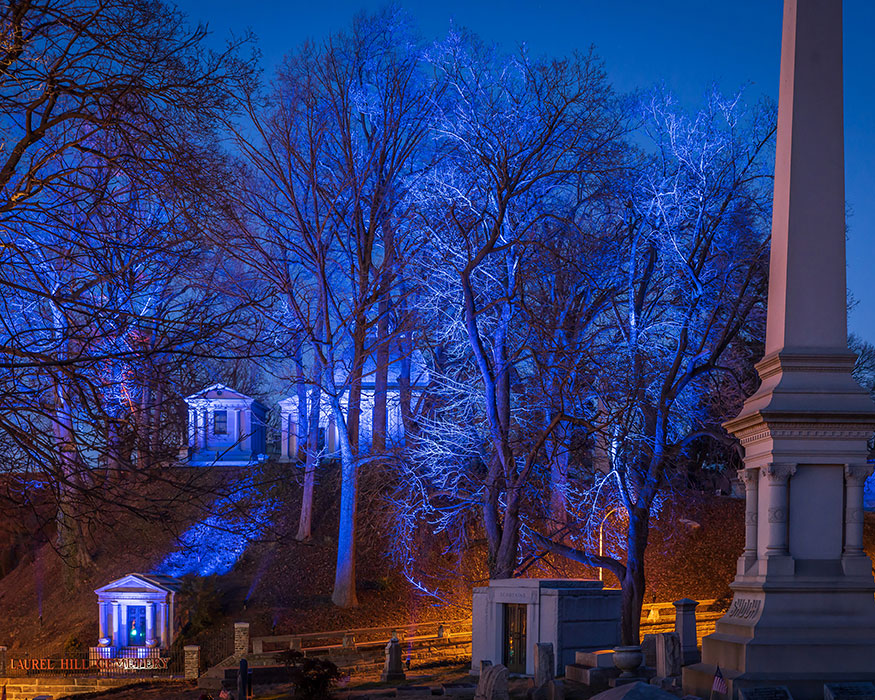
x=719 y=685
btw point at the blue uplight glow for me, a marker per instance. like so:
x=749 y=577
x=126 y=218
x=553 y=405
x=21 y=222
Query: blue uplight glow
x=213 y=545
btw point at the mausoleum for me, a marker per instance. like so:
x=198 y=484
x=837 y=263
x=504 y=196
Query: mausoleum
x=291 y=426
x=511 y=616
x=225 y=428
x=137 y=611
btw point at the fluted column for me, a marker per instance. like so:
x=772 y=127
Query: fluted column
x=750 y=477
x=150 y=625
x=116 y=625
x=102 y=622
x=855 y=478
x=777 y=477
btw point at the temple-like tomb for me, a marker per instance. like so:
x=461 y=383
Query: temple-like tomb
x=137 y=612
x=511 y=616
x=225 y=428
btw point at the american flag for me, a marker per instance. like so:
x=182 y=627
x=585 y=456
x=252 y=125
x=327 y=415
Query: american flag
x=719 y=685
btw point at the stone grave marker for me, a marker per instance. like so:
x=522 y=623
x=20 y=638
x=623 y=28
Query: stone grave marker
x=848 y=691
x=766 y=692
x=393 y=670
x=493 y=683
x=669 y=657
x=545 y=664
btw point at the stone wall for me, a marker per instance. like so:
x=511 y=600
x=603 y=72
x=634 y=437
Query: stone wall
x=23 y=688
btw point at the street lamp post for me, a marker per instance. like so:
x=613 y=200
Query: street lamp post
x=602 y=536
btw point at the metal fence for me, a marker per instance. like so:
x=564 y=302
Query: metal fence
x=103 y=662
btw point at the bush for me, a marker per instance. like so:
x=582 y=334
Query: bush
x=313 y=678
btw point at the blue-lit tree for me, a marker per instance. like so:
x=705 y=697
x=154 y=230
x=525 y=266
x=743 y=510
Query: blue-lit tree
x=522 y=143
x=690 y=282
x=338 y=142
x=107 y=169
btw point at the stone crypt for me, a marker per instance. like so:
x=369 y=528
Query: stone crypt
x=803 y=612
x=136 y=613
x=511 y=616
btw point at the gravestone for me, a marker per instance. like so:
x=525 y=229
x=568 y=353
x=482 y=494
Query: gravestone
x=765 y=692
x=648 y=647
x=668 y=655
x=393 y=669
x=493 y=683
x=685 y=627
x=545 y=664
x=849 y=691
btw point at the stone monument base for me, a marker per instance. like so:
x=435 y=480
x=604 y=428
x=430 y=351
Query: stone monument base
x=808 y=630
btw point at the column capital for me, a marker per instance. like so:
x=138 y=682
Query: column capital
x=749 y=476
x=779 y=471
x=856 y=474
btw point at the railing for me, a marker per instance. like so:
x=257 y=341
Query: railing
x=103 y=662
x=364 y=638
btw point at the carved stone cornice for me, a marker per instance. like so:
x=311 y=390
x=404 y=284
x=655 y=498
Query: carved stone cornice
x=798 y=425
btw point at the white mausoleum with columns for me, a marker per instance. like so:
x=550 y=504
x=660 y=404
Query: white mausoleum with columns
x=137 y=610
x=225 y=428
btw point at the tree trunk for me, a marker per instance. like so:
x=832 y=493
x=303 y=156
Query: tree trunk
x=634 y=581
x=344 y=594
x=559 y=447
x=381 y=377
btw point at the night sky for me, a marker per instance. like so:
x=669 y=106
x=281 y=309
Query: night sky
x=688 y=44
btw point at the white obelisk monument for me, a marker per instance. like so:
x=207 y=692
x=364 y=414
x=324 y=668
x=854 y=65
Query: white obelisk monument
x=803 y=612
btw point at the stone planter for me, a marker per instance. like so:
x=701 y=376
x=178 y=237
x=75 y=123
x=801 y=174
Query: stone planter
x=628 y=659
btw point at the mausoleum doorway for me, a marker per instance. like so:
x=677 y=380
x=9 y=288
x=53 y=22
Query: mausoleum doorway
x=136 y=625
x=514 y=652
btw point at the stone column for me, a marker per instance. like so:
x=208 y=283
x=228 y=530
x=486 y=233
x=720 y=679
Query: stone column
x=150 y=625
x=241 y=639
x=102 y=632
x=162 y=635
x=750 y=477
x=292 y=445
x=192 y=661
x=116 y=624
x=206 y=427
x=685 y=626
x=855 y=478
x=777 y=477
x=331 y=438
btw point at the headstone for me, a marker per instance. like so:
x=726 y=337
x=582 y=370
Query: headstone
x=668 y=655
x=648 y=646
x=393 y=670
x=493 y=683
x=766 y=692
x=545 y=664
x=848 y=691
x=685 y=627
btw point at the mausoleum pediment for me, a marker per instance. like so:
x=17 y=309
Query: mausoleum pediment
x=141 y=583
x=219 y=392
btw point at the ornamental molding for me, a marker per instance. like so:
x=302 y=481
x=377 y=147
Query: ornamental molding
x=854 y=515
x=751 y=518
x=807 y=431
x=749 y=476
x=777 y=514
x=779 y=471
x=856 y=474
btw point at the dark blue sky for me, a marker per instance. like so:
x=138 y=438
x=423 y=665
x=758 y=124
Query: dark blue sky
x=688 y=44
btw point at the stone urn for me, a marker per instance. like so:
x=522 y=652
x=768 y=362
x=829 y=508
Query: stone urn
x=628 y=659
